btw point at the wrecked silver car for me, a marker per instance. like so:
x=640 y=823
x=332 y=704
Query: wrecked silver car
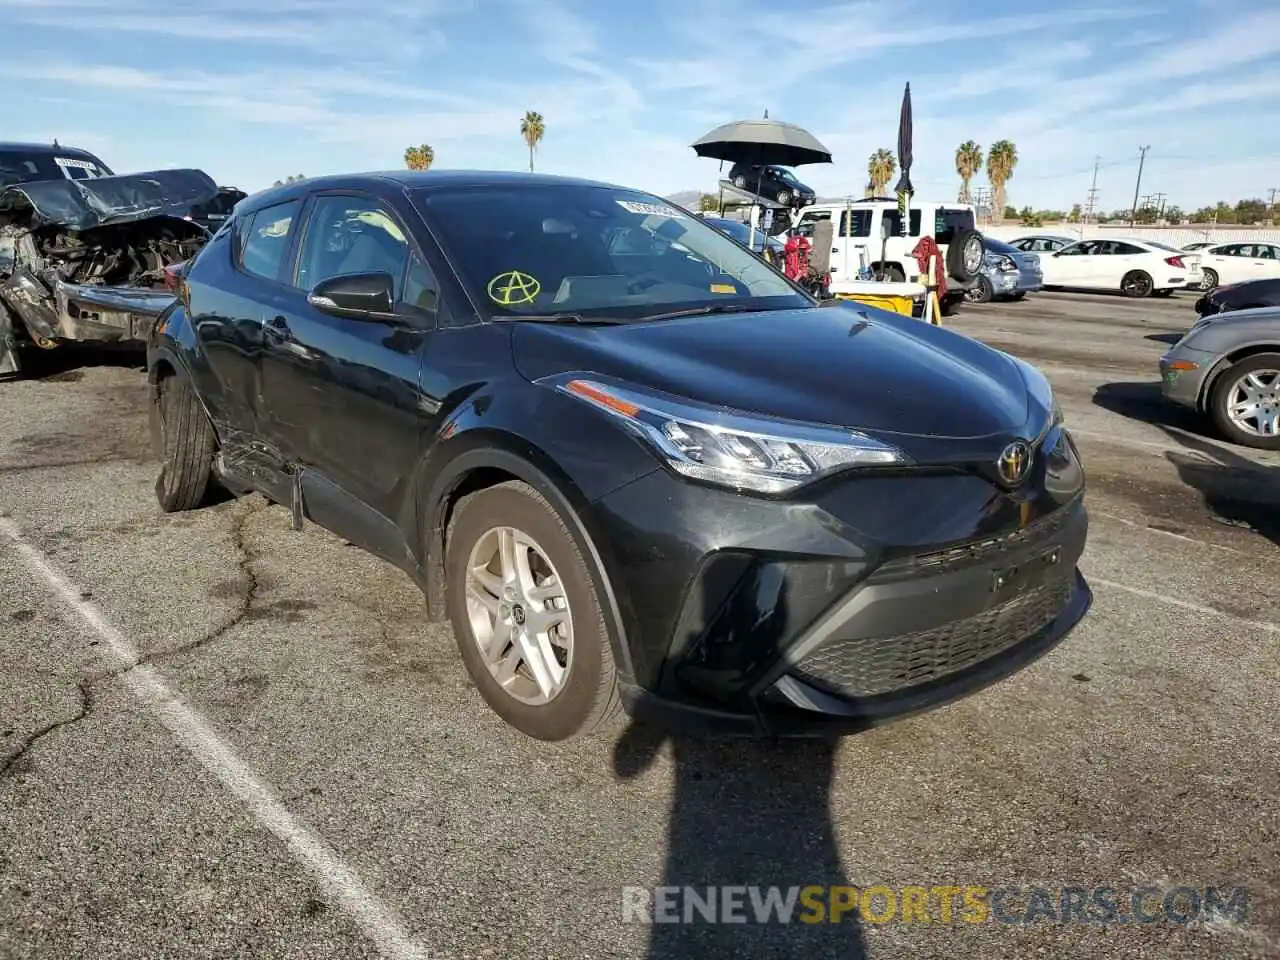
x=85 y=259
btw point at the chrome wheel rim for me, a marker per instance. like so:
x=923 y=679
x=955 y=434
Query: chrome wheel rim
x=1253 y=403
x=1208 y=280
x=519 y=615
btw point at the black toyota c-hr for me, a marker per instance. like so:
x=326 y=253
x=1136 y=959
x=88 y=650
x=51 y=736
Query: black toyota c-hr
x=634 y=465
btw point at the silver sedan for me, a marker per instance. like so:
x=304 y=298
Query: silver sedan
x=1227 y=367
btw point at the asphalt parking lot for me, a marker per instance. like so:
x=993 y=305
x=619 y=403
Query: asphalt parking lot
x=299 y=767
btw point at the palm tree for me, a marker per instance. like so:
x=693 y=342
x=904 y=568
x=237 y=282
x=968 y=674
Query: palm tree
x=968 y=162
x=419 y=158
x=880 y=168
x=532 y=127
x=1001 y=159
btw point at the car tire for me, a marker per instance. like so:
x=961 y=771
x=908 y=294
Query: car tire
x=1137 y=284
x=783 y=197
x=1208 y=278
x=980 y=292
x=1224 y=388
x=187 y=446
x=958 y=260
x=587 y=696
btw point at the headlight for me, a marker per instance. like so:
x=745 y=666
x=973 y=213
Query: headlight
x=1008 y=265
x=739 y=451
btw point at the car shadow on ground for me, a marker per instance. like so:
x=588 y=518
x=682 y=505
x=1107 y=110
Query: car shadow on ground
x=750 y=813
x=69 y=361
x=1236 y=490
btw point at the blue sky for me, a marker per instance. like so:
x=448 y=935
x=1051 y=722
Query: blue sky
x=254 y=90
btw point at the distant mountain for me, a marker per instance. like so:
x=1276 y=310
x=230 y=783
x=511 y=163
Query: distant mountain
x=687 y=199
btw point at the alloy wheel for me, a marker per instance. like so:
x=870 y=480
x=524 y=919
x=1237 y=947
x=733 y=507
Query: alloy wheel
x=519 y=615
x=1208 y=280
x=1137 y=285
x=1253 y=403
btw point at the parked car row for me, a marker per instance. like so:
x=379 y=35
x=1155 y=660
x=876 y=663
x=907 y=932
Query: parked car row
x=1136 y=268
x=84 y=252
x=604 y=439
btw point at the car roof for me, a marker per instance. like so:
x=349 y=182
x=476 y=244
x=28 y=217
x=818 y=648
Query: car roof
x=421 y=180
x=50 y=149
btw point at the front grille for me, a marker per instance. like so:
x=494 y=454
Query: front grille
x=974 y=552
x=869 y=667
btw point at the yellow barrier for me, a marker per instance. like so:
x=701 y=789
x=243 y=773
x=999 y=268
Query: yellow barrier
x=894 y=303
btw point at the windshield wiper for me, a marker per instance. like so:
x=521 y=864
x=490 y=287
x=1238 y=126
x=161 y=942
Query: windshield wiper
x=556 y=318
x=701 y=311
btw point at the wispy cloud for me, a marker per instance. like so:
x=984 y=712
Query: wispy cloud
x=318 y=85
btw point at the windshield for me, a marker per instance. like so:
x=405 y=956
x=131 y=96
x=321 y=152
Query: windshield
x=18 y=166
x=785 y=174
x=594 y=251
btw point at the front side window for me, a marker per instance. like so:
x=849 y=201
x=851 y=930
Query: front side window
x=263 y=239
x=348 y=235
x=595 y=251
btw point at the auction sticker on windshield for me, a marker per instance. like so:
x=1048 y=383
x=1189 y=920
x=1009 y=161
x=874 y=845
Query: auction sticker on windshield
x=67 y=165
x=650 y=209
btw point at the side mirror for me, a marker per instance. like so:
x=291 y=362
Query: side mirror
x=355 y=295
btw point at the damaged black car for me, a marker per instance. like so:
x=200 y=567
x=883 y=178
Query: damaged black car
x=84 y=251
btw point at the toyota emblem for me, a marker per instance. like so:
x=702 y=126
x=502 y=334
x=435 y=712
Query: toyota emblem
x=1014 y=462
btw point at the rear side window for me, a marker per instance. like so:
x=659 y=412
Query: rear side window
x=263 y=239
x=947 y=223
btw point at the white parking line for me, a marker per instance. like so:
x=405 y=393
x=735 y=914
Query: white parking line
x=377 y=920
x=1264 y=625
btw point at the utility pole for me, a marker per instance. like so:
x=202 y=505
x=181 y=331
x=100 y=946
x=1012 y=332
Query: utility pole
x=1091 y=202
x=1271 y=201
x=1159 y=200
x=1142 y=158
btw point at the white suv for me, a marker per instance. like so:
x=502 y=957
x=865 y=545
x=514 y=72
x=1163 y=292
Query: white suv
x=857 y=240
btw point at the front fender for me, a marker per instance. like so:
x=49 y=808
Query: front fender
x=476 y=453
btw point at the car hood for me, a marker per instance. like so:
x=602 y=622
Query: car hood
x=846 y=366
x=104 y=201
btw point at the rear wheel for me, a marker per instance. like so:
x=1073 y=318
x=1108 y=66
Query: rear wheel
x=187 y=447
x=1245 y=403
x=1137 y=284
x=527 y=615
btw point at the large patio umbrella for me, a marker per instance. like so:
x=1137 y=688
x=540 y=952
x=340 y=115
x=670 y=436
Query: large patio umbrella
x=905 y=131
x=762 y=142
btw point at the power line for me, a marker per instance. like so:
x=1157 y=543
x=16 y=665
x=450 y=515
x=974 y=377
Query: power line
x=1133 y=212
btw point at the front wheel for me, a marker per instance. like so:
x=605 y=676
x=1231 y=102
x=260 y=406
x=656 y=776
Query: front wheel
x=784 y=197
x=187 y=445
x=527 y=615
x=980 y=292
x=1208 y=279
x=1137 y=284
x=1245 y=403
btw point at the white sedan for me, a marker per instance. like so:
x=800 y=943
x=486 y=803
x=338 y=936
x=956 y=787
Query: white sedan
x=1237 y=262
x=1137 y=268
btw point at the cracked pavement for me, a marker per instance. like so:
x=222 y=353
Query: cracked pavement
x=1141 y=751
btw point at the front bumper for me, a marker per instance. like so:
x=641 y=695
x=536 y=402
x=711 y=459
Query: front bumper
x=83 y=312
x=880 y=597
x=1010 y=283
